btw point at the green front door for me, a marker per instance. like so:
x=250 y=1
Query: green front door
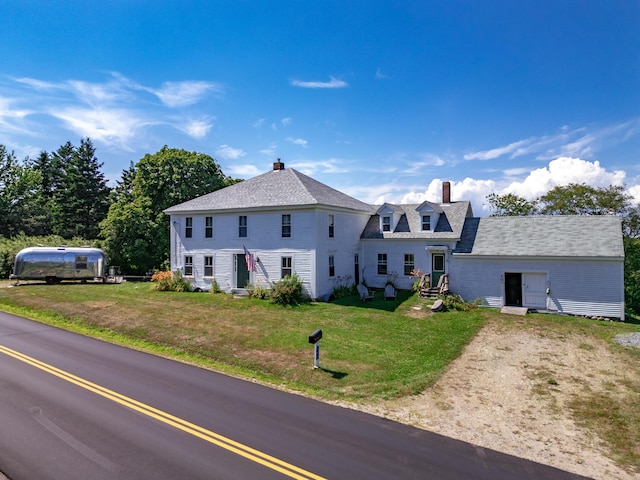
x=242 y=273
x=437 y=267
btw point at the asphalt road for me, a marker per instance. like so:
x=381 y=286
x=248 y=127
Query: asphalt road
x=72 y=407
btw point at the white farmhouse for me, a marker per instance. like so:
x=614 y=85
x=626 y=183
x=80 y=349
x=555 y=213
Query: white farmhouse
x=283 y=222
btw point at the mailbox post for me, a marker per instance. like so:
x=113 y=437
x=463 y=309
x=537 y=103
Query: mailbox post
x=314 y=338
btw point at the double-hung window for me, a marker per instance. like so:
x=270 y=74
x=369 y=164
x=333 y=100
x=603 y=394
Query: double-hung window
x=382 y=264
x=188 y=227
x=332 y=266
x=208 y=227
x=426 y=222
x=208 y=266
x=188 y=265
x=331 y=225
x=408 y=263
x=242 y=226
x=286 y=270
x=286 y=226
x=386 y=223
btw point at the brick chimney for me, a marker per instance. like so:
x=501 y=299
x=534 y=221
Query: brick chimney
x=278 y=165
x=446 y=192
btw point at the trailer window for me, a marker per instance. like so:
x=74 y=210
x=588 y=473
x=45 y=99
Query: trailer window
x=81 y=262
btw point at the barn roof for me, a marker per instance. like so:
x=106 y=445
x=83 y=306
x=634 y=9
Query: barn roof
x=543 y=236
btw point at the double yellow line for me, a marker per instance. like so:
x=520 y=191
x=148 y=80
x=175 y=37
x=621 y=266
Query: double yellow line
x=188 y=427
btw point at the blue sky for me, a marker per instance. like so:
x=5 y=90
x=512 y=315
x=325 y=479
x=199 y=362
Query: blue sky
x=382 y=100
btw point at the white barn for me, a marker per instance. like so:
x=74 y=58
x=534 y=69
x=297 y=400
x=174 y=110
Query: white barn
x=283 y=222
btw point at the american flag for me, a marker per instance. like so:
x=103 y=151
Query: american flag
x=251 y=262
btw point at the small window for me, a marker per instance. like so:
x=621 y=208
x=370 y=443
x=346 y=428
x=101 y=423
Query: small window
x=332 y=266
x=81 y=262
x=208 y=266
x=286 y=226
x=188 y=227
x=408 y=263
x=286 y=270
x=386 y=224
x=242 y=226
x=382 y=264
x=426 y=222
x=208 y=227
x=331 y=220
x=188 y=266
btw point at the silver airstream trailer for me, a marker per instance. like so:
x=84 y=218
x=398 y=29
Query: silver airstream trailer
x=54 y=264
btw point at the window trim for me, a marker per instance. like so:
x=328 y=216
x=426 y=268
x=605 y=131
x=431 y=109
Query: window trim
x=386 y=223
x=208 y=227
x=427 y=223
x=331 y=221
x=332 y=266
x=283 y=267
x=382 y=264
x=286 y=229
x=409 y=263
x=208 y=269
x=188 y=227
x=243 y=227
x=188 y=265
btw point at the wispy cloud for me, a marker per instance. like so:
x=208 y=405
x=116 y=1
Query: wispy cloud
x=197 y=128
x=298 y=141
x=332 y=83
x=580 y=142
x=286 y=121
x=229 y=153
x=311 y=167
x=182 y=94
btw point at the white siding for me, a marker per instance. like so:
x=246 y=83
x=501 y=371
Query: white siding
x=579 y=287
x=309 y=246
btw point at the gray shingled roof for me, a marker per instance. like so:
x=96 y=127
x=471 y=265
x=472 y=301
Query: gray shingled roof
x=546 y=236
x=409 y=226
x=277 y=188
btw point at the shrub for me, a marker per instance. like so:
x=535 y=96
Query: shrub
x=167 y=281
x=258 y=291
x=456 y=302
x=288 y=291
x=215 y=288
x=343 y=287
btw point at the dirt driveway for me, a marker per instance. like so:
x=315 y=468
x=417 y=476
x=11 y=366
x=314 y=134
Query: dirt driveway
x=508 y=392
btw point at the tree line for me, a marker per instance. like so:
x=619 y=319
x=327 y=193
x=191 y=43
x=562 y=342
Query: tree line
x=65 y=195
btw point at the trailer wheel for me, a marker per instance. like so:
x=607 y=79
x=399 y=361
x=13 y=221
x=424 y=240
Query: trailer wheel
x=51 y=280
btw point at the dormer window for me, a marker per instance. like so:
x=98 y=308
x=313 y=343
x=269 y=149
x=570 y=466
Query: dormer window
x=386 y=223
x=426 y=223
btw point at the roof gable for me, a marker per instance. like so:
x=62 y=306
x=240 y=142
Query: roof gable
x=277 y=188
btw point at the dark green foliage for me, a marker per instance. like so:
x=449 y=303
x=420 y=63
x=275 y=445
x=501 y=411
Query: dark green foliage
x=288 y=291
x=511 y=204
x=632 y=274
x=455 y=302
x=136 y=231
x=81 y=197
x=574 y=199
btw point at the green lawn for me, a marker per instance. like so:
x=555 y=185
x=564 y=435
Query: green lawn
x=380 y=348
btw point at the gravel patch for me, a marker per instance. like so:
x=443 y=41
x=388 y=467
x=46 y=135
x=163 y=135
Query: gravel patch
x=628 y=339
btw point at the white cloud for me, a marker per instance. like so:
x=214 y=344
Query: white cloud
x=229 y=153
x=270 y=151
x=197 y=128
x=496 y=152
x=286 y=121
x=298 y=141
x=332 y=83
x=245 y=170
x=635 y=192
x=310 y=168
x=182 y=94
x=102 y=125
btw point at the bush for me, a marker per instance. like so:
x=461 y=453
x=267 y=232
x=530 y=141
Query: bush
x=167 y=281
x=288 y=291
x=258 y=291
x=455 y=302
x=344 y=287
x=215 y=288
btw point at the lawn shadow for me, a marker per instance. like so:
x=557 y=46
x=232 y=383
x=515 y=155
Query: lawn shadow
x=378 y=302
x=334 y=374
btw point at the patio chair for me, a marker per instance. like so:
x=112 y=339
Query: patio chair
x=389 y=292
x=364 y=293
